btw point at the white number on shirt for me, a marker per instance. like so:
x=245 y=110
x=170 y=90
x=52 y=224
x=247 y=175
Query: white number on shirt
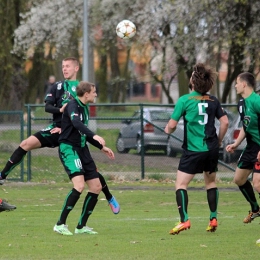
x=204 y=114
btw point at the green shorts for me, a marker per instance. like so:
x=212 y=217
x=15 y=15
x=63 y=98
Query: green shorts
x=78 y=161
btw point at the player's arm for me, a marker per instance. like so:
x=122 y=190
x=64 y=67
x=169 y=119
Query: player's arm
x=51 y=108
x=109 y=153
x=76 y=121
x=231 y=147
x=171 y=126
x=94 y=142
x=223 y=128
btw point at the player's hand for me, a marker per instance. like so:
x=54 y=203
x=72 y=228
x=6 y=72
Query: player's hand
x=258 y=156
x=99 y=139
x=109 y=153
x=231 y=148
x=55 y=130
x=63 y=107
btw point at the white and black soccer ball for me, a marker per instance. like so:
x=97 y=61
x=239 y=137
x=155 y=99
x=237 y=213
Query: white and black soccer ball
x=126 y=29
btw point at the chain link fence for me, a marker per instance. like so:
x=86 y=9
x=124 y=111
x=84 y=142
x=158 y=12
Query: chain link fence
x=140 y=152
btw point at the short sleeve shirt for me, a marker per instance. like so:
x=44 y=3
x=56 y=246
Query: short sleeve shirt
x=199 y=113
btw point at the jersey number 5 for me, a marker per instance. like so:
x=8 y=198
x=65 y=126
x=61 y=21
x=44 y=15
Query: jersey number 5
x=201 y=107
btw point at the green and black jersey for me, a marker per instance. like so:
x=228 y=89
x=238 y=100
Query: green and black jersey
x=61 y=92
x=74 y=130
x=249 y=110
x=199 y=113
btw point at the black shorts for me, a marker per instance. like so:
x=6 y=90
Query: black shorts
x=199 y=162
x=248 y=158
x=46 y=138
x=78 y=161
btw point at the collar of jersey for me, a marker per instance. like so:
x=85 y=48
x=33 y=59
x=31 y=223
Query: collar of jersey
x=76 y=82
x=80 y=103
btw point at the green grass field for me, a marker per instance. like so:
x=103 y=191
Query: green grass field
x=139 y=231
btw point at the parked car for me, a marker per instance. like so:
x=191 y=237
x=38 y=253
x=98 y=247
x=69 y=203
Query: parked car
x=155 y=120
x=175 y=140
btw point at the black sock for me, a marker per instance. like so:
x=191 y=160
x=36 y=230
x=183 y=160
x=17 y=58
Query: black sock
x=182 y=203
x=248 y=192
x=105 y=189
x=15 y=159
x=212 y=196
x=69 y=203
x=87 y=209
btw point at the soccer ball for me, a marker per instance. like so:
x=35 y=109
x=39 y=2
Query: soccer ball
x=125 y=29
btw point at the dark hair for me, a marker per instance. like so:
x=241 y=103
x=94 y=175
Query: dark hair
x=72 y=59
x=203 y=78
x=249 y=78
x=84 y=87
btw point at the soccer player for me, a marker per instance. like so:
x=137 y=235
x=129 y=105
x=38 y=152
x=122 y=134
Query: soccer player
x=4 y=206
x=249 y=110
x=201 y=143
x=55 y=102
x=76 y=158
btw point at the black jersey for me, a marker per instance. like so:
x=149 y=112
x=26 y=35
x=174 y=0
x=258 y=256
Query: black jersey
x=74 y=130
x=60 y=93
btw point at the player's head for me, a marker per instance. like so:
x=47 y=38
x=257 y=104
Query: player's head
x=70 y=68
x=202 y=78
x=86 y=92
x=247 y=78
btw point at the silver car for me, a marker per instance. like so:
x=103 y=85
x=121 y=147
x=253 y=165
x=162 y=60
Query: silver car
x=154 y=122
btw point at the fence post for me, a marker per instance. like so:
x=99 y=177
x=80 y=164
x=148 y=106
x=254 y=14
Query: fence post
x=29 y=131
x=142 y=142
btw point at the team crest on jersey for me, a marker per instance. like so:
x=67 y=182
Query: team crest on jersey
x=66 y=96
x=246 y=121
x=73 y=88
x=59 y=86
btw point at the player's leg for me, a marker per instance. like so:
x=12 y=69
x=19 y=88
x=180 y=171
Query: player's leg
x=69 y=203
x=68 y=157
x=256 y=182
x=181 y=184
x=94 y=187
x=212 y=197
x=114 y=205
x=209 y=173
x=18 y=155
x=246 y=188
x=4 y=206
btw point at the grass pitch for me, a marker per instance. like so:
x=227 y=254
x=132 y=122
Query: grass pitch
x=139 y=231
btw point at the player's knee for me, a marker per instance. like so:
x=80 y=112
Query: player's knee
x=30 y=143
x=24 y=144
x=96 y=188
x=80 y=187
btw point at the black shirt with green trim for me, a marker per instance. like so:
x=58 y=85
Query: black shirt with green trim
x=74 y=125
x=61 y=93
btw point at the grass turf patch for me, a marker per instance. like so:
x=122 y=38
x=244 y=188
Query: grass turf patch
x=139 y=231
